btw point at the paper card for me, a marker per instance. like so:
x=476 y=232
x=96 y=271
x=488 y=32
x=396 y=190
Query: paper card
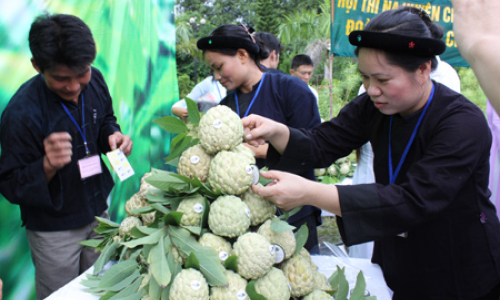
x=120 y=164
x=90 y=166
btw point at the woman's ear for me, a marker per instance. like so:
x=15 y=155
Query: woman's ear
x=242 y=55
x=425 y=69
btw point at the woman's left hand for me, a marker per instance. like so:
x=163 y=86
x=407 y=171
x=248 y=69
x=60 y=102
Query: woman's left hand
x=287 y=191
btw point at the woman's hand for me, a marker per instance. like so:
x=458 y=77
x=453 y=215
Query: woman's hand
x=258 y=129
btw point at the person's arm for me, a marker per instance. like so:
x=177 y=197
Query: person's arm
x=57 y=153
x=477 y=32
x=260 y=151
x=288 y=191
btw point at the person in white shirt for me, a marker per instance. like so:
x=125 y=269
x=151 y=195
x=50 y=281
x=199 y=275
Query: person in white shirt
x=208 y=93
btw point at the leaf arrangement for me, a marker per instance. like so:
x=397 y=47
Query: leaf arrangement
x=147 y=259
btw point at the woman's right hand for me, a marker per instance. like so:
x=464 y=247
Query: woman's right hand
x=258 y=130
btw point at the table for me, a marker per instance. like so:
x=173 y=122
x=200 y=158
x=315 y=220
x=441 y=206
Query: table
x=327 y=265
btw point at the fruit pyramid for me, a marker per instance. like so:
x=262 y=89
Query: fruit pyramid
x=203 y=234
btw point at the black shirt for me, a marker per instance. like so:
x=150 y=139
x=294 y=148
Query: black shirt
x=32 y=114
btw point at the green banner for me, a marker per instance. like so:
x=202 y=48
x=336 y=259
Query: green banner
x=350 y=15
x=136 y=54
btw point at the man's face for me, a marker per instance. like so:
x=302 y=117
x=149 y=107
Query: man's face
x=65 y=82
x=304 y=72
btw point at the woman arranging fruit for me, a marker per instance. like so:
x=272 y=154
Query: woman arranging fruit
x=234 y=56
x=436 y=232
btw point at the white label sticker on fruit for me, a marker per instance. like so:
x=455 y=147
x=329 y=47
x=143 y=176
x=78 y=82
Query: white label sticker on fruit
x=241 y=295
x=256 y=174
x=280 y=254
x=195 y=285
x=217 y=124
x=198 y=208
x=223 y=255
x=247 y=211
x=195 y=159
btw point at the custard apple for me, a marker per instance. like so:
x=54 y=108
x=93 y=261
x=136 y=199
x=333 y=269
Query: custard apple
x=148 y=218
x=260 y=208
x=127 y=224
x=194 y=161
x=235 y=289
x=320 y=281
x=220 y=129
x=318 y=295
x=135 y=202
x=255 y=255
x=221 y=246
x=192 y=208
x=229 y=216
x=300 y=275
x=245 y=151
x=285 y=240
x=189 y=284
x=274 y=285
x=178 y=258
x=231 y=173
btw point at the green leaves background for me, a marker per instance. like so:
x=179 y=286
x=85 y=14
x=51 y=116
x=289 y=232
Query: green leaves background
x=136 y=54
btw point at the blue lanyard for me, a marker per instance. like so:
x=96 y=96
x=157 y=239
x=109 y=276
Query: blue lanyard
x=83 y=134
x=393 y=175
x=251 y=102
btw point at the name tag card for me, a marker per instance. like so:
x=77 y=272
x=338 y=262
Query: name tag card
x=120 y=164
x=90 y=166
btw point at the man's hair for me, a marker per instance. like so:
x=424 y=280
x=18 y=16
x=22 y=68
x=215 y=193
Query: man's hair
x=301 y=59
x=61 y=40
x=269 y=40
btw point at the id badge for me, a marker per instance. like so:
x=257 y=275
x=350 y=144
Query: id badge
x=90 y=166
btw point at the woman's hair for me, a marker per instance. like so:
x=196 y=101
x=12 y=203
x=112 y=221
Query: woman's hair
x=238 y=32
x=409 y=21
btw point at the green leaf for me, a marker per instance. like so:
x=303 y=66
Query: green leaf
x=196 y=230
x=193 y=112
x=93 y=243
x=157 y=260
x=210 y=265
x=147 y=240
x=173 y=218
x=231 y=263
x=192 y=262
x=117 y=273
x=107 y=222
x=339 y=282
x=358 y=293
x=171 y=124
x=287 y=214
x=280 y=225
x=204 y=214
x=264 y=181
x=131 y=292
x=154 y=289
x=142 y=210
x=108 y=251
x=252 y=292
x=161 y=208
x=162 y=198
x=301 y=237
x=125 y=282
